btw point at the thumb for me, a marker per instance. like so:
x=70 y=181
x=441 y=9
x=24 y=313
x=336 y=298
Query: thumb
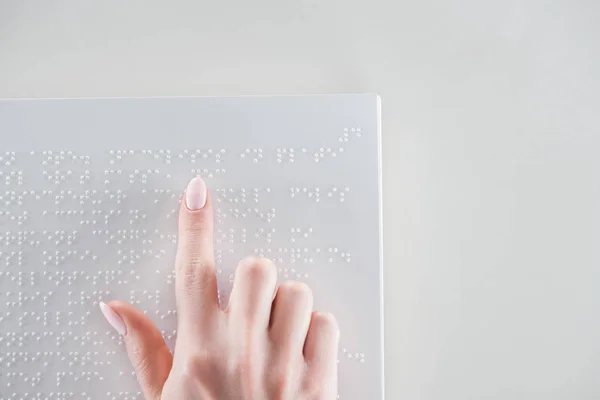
x=147 y=350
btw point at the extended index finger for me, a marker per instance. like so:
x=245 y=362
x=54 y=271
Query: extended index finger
x=196 y=281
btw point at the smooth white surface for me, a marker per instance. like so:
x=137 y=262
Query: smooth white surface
x=491 y=136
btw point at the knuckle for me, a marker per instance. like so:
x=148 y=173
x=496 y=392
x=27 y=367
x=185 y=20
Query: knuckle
x=198 y=365
x=143 y=357
x=313 y=387
x=281 y=381
x=257 y=269
x=195 y=224
x=141 y=363
x=194 y=267
x=238 y=368
x=201 y=266
x=241 y=369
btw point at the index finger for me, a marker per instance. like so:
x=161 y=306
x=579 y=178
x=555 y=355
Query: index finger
x=196 y=281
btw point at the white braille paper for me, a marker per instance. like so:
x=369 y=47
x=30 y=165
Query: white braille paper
x=89 y=195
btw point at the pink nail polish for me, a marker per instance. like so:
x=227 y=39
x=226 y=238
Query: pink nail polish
x=195 y=194
x=113 y=319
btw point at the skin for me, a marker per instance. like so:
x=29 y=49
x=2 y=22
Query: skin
x=267 y=344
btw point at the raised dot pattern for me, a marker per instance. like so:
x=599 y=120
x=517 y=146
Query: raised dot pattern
x=77 y=229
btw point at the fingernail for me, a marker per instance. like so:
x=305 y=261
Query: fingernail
x=195 y=194
x=113 y=319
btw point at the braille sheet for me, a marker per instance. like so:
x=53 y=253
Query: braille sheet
x=89 y=196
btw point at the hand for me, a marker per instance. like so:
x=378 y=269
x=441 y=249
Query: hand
x=267 y=344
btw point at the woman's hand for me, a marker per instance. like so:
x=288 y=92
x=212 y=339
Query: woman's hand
x=267 y=344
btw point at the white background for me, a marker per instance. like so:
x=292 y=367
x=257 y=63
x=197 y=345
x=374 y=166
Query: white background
x=491 y=154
